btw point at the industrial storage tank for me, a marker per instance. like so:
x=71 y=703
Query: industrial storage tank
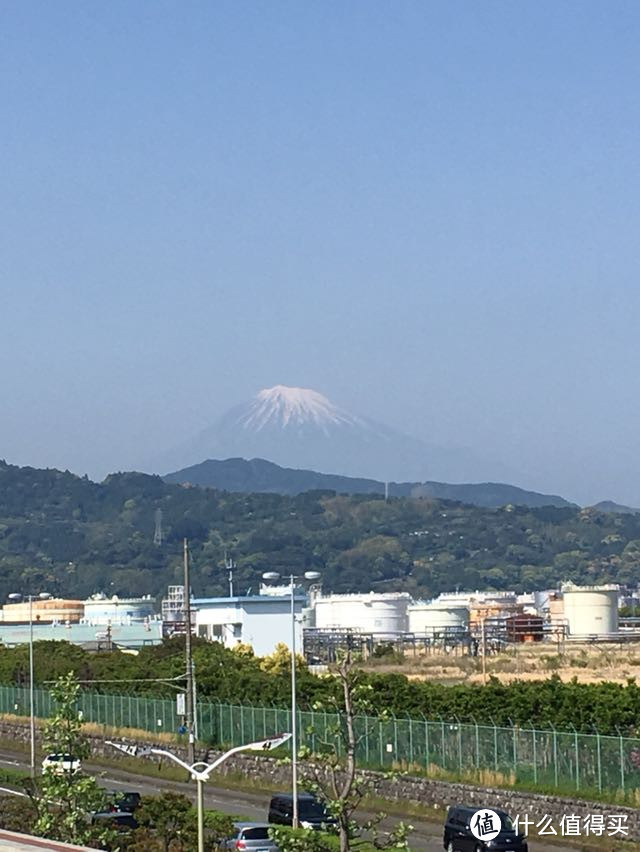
x=381 y=614
x=100 y=609
x=437 y=617
x=591 y=610
x=44 y=611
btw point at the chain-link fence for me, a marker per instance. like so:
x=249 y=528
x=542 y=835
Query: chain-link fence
x=566 y=760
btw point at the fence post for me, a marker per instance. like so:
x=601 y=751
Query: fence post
x=622 y=778
x=599 y=760
x=495 y=744
x=515 y=747
x=368 y=727
x=459 y=742
x=410 y=724
x=577 y=755
x=426 y=742
x=555 y=753
x=395 y=736
x=534 y=753
x=475 y=722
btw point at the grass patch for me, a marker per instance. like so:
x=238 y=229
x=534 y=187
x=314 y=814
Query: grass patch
x=14 y=777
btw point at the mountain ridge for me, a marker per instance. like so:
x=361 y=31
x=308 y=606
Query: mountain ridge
x=263 y=476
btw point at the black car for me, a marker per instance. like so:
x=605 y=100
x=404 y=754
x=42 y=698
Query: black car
x=115 y=819
x=127 y=801
x=458 y=836
x=312 y=813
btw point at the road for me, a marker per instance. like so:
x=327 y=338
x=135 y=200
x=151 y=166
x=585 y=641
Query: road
x=249 y=805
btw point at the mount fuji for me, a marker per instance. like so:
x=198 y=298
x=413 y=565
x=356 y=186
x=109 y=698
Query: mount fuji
x=302 y=428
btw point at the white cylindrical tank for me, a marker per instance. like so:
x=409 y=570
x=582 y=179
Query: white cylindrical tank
x=591 y=610
x=429 y=619
x=368 y=613
x=102 y=610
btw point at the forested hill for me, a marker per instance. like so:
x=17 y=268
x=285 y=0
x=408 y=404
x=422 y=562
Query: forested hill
x=67 y=535
x=259 y=475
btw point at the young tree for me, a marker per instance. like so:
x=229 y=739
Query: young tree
x=66 y=799
x=335 y=776
x=168 y=823
x=299 y=840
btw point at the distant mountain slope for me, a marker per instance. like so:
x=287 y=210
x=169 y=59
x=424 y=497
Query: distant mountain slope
x=611 y=506
x=260 y=476
x=300 y=428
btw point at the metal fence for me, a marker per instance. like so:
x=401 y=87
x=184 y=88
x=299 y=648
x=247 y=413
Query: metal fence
x=566 y=760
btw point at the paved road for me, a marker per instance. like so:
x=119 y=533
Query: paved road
x=250 y=805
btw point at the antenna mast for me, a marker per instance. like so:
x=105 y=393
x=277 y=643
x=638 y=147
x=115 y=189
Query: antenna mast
x=157 y=536
x=229 y=566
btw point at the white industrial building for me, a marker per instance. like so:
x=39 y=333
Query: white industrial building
x=262 y=621
x=381 y=614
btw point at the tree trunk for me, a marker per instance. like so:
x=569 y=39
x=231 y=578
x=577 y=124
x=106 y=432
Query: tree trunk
x=350 y=769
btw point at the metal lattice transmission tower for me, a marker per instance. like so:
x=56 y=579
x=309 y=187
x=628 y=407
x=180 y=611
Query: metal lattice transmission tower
x=157 y=536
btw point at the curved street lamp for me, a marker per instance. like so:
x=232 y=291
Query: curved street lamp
x=201 y=770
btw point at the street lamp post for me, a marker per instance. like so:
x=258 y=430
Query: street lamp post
x=16 y=597
x=201 y=775
x=308 y=575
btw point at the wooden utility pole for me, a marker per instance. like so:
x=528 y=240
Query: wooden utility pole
x=189 y=658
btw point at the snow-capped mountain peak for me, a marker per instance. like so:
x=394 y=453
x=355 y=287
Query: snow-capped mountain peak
x=302 y=428
x=287 y=406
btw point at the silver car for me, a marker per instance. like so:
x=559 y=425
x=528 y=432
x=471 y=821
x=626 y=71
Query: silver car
x=253 y=836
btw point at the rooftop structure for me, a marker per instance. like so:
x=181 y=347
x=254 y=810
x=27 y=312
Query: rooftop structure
x=262 y=621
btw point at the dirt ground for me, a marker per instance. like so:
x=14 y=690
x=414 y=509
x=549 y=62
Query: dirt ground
x=589 y=663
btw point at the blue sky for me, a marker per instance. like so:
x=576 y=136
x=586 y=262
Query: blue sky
x=427 y=211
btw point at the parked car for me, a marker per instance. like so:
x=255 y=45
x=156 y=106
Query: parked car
x=61 y=764
x=128 y=801
x=458 y=836
x=116 y=819
x=253 y=836
x=312 y=813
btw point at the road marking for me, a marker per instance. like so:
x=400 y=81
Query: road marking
x=13 y=792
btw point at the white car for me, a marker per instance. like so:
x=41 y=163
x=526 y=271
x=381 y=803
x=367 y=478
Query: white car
x=61 y=764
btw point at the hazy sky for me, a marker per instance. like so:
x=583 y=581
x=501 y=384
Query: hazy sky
x=428 y=211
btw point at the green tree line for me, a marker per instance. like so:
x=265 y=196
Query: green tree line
x=240 y=678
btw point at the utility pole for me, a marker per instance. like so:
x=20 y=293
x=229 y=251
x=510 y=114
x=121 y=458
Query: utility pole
x=189 y=657
x=190 y=697
x=294 y=709
x=32 y=712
